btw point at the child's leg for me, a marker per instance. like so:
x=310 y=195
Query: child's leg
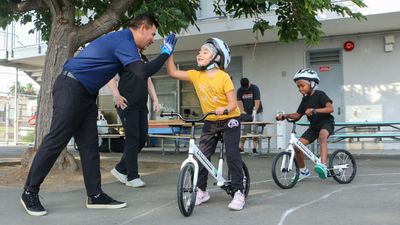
x=300 y=155
x=323 y=143
x=207 y=145
x=324 y=133
x=233 y=157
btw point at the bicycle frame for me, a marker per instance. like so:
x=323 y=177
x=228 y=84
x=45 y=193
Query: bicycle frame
x=295 y=142
x=194 y=151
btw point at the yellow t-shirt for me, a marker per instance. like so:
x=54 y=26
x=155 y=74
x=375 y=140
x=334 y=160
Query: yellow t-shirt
x=211 y=92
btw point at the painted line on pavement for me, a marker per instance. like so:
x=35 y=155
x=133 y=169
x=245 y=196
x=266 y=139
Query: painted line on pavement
x=294 y=209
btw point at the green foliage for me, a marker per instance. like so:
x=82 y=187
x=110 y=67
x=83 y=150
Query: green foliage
x=296 y=18
x=173 y=15
x=28 y=89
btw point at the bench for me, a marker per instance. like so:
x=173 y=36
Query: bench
x=378 y=135
x=174 y=137
x=165 y=132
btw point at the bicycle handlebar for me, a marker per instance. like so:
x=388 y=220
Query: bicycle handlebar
x=291 y=120
x=170 y=114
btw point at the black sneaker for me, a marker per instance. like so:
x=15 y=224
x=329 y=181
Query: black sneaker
x=103 y=201
x=32 y=204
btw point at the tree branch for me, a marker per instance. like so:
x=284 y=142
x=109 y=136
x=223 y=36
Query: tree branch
x=54 y=7
x=26 y=6
x=106 y=22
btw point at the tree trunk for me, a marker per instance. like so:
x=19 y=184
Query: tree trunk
x=60 y=47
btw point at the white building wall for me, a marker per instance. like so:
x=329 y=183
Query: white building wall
x=371 y=75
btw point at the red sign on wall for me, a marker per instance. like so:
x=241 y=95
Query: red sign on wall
x=324 y=68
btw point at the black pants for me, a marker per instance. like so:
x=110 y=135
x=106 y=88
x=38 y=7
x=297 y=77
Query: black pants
x=135 y=126
x=74 y=114
x=208 y=143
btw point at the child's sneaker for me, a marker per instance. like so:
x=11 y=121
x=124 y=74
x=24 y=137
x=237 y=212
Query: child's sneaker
x=304 y=174
x=238 y=201
x=201 y=196
x=321 y=170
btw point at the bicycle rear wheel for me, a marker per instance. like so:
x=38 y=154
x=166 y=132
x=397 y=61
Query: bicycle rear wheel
x=186 y=194
x=346 y=166
x=281 y=174
x=246 y=181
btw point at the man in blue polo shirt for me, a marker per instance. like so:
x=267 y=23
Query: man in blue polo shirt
x=75 y=110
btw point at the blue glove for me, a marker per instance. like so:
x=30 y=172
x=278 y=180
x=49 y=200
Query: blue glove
x=169 y=45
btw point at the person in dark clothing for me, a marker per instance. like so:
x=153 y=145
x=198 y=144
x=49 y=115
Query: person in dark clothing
x=75 y=110
x=317 y=106
x=132 y=111
x=249 y=102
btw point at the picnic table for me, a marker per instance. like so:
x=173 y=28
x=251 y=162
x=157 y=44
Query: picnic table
x=357 y=130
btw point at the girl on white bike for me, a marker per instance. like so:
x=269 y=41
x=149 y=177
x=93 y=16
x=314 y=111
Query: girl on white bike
x=216 y=93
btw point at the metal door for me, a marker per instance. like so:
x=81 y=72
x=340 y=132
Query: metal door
x=329 y=68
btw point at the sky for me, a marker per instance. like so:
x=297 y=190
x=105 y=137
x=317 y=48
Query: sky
x=7 y=79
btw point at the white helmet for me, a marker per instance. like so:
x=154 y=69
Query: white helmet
x=223 y=52
x=306 y=74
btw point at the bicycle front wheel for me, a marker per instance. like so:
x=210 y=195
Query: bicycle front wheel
x=342 y=166
x=283 y=176
x=186 y=193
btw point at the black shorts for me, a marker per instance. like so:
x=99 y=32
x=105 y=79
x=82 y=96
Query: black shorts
x=313 y=133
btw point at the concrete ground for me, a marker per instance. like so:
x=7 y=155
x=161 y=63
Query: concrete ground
x=372 y=198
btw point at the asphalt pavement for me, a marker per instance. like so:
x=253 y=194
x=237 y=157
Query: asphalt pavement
x=372 y=198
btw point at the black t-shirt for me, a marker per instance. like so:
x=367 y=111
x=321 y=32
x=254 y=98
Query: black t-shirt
x=133 y=89
x=316 y=101
x=248 y=96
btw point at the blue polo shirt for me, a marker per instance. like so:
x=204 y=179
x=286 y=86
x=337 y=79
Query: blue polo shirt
x=102 y=59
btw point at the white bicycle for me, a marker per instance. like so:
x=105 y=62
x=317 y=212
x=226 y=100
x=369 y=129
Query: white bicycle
x=285 y=172
x=187 y=182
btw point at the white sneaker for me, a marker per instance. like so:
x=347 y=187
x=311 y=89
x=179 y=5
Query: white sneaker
x=304 y=174
x=201 y=196
x=120 y=177
x=135 y=183
x=238 y=201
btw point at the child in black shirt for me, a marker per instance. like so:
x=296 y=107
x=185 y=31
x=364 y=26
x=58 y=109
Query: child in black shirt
x=317 y=106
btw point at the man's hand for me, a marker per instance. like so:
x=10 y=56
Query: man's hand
x=156 y=107
x=169 y=44
x=120 y=102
